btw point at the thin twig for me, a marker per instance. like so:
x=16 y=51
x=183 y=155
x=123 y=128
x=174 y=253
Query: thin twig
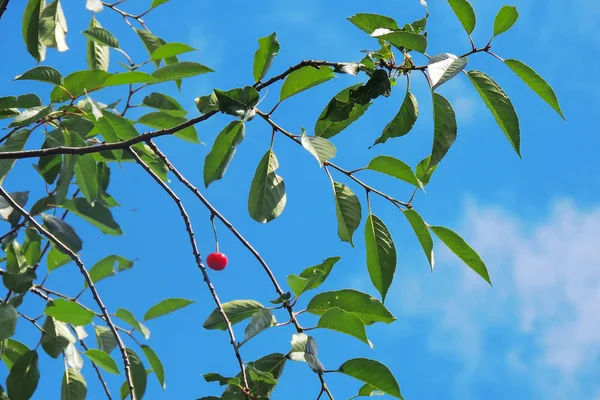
x=198 y=257
x=349 y=174
x=65 y=249
x=100 y=378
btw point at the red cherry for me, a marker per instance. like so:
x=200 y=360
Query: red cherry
x=216 y=261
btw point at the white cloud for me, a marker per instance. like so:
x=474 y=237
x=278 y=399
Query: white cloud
x=545 y=298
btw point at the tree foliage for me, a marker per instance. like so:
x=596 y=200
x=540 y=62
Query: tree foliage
x=84 y=141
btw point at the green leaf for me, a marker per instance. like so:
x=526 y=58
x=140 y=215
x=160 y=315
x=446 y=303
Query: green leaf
x=30 y=27
x=404 y=120
x=106 y=267
x=367 y=390
x=170 y=50
x=311 y=277
x=500 y=105
x=101 y=36
x=129 y=78
x=273 y=364
x=303 y=79
x=63 y=232
x=16 y=142
x=28 y=100
x=73 y=386
x=505 y=19
x=238 y=102
x=462 y=250
x=207 y=103
x=444 y=67
x=262 y=319
x=151 y=42
x=12 y=351
x=128 y=317
x=105 y=338
x=322 y=149
x=444 y=129
x=96 y=214
x=371 y=22
x=423 y=172
x=164 y=103
x=138 y=374
x=378 y=85
x=236 y=311
x=156 y=364
x=163 y=120
x=41 y=74
x=77 y=83
x=19 y=282
x=97 y=55
x=222 y=152
x=23 y=377
x=407 y=40
x=68 y=311
x=180 y=70
x=420 y=228
x=536 y=83
x=267 y=192
x=53 y=26
x=8 y=321
x=344 y=322
x=330 y=123
x=381 y=254
x=156 y=3
x=393 y=167
x=56 y=259
x=103 y=360
x=260 y=376
x=31 y=115
x=56 y=337
x=268 y=48
x=165 y=307
x=348 y=211
x=85 y=176
x=465 y=13
x=374 y=373
x=367 y=308
x=7 y=212
x=32 y=247
x=223 y=380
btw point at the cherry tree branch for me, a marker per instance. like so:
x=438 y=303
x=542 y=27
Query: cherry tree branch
x=122 y=145
x=349 y=174
x=65 y=249
x=198 y=257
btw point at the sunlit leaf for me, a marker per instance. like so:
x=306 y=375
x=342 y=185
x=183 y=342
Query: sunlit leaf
x=381 y=254
x=41 y=74
x=267 y=192
x=236 y=311
x=303 y=79
x=367 y=308
x=465 y=13
x=348 y=211
x=444 y=129
x=420 y=228
x=500 y=105
x=268 y=47
x=165 y=307
x=374 y=373
x=222 y=152
x=505 y=19
x=68 y=311
x=101 y=36
x=462 y=250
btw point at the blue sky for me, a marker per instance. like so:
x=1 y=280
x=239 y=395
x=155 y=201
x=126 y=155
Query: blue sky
x=535 y=220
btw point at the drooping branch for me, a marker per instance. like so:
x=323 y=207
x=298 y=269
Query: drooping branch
x=198 y=258
x=65 y=249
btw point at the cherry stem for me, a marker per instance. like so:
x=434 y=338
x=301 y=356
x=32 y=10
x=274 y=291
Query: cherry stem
x=212 y=221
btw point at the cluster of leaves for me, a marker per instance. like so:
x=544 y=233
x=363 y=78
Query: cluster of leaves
x=84 y=137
